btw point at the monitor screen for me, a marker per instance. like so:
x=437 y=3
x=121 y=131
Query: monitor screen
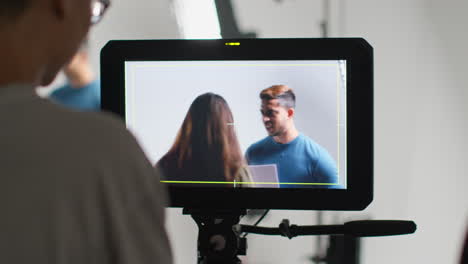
x=249 y=123
x=306 y=149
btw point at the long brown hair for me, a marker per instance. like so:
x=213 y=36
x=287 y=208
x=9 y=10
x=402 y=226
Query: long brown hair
x=206 y=147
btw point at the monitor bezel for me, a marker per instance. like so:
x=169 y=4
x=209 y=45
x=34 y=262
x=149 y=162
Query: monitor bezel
x=359 y=67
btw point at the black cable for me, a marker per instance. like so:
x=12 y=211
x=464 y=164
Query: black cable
x=261 y=217
x=258 y=221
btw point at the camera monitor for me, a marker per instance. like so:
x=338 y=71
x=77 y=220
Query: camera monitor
x=249 y=123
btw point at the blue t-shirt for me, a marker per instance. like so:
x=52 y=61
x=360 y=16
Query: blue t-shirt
x=87 y=98
x=299 y=161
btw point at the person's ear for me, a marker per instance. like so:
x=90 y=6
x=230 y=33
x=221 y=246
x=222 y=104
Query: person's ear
x=291 y=112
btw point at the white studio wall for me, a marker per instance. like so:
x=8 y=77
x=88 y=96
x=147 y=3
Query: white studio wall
x=136 y=19
x=420 y=115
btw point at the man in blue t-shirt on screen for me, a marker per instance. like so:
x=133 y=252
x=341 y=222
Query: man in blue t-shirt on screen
x=300 y=161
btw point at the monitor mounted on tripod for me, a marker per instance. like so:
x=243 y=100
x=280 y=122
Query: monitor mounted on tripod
x=249 y=123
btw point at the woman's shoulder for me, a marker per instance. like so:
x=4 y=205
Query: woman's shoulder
x=167 y=167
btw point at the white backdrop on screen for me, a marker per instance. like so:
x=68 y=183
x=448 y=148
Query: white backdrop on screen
x=159 y=94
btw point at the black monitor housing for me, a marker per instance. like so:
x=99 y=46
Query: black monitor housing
x=358 y=55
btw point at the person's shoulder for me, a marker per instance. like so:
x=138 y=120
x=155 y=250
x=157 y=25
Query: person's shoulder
x=101 y=119
x=259 y=144
x=166 y=167
x=314 y=149
x=309 y=143
x=305 y=138
x=317 y=151
x=95 y=120
x=116 y=149
x=105 y=126
x=61 y=91
x=100 y=130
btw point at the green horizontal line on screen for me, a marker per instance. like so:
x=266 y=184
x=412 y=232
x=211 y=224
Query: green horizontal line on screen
x=285 y=183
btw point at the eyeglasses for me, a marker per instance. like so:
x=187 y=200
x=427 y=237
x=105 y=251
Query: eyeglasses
x=98 y=8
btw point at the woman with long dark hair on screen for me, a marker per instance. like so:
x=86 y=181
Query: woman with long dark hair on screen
x=206 y=148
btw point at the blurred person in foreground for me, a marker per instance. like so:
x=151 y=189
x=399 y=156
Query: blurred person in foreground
x=93 y=199
x=206 y=149
x=82 y=91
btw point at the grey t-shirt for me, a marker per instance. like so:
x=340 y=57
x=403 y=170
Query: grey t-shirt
x=75 y=187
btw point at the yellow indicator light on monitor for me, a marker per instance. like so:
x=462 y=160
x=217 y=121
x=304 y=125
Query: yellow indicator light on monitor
x=232 y=43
